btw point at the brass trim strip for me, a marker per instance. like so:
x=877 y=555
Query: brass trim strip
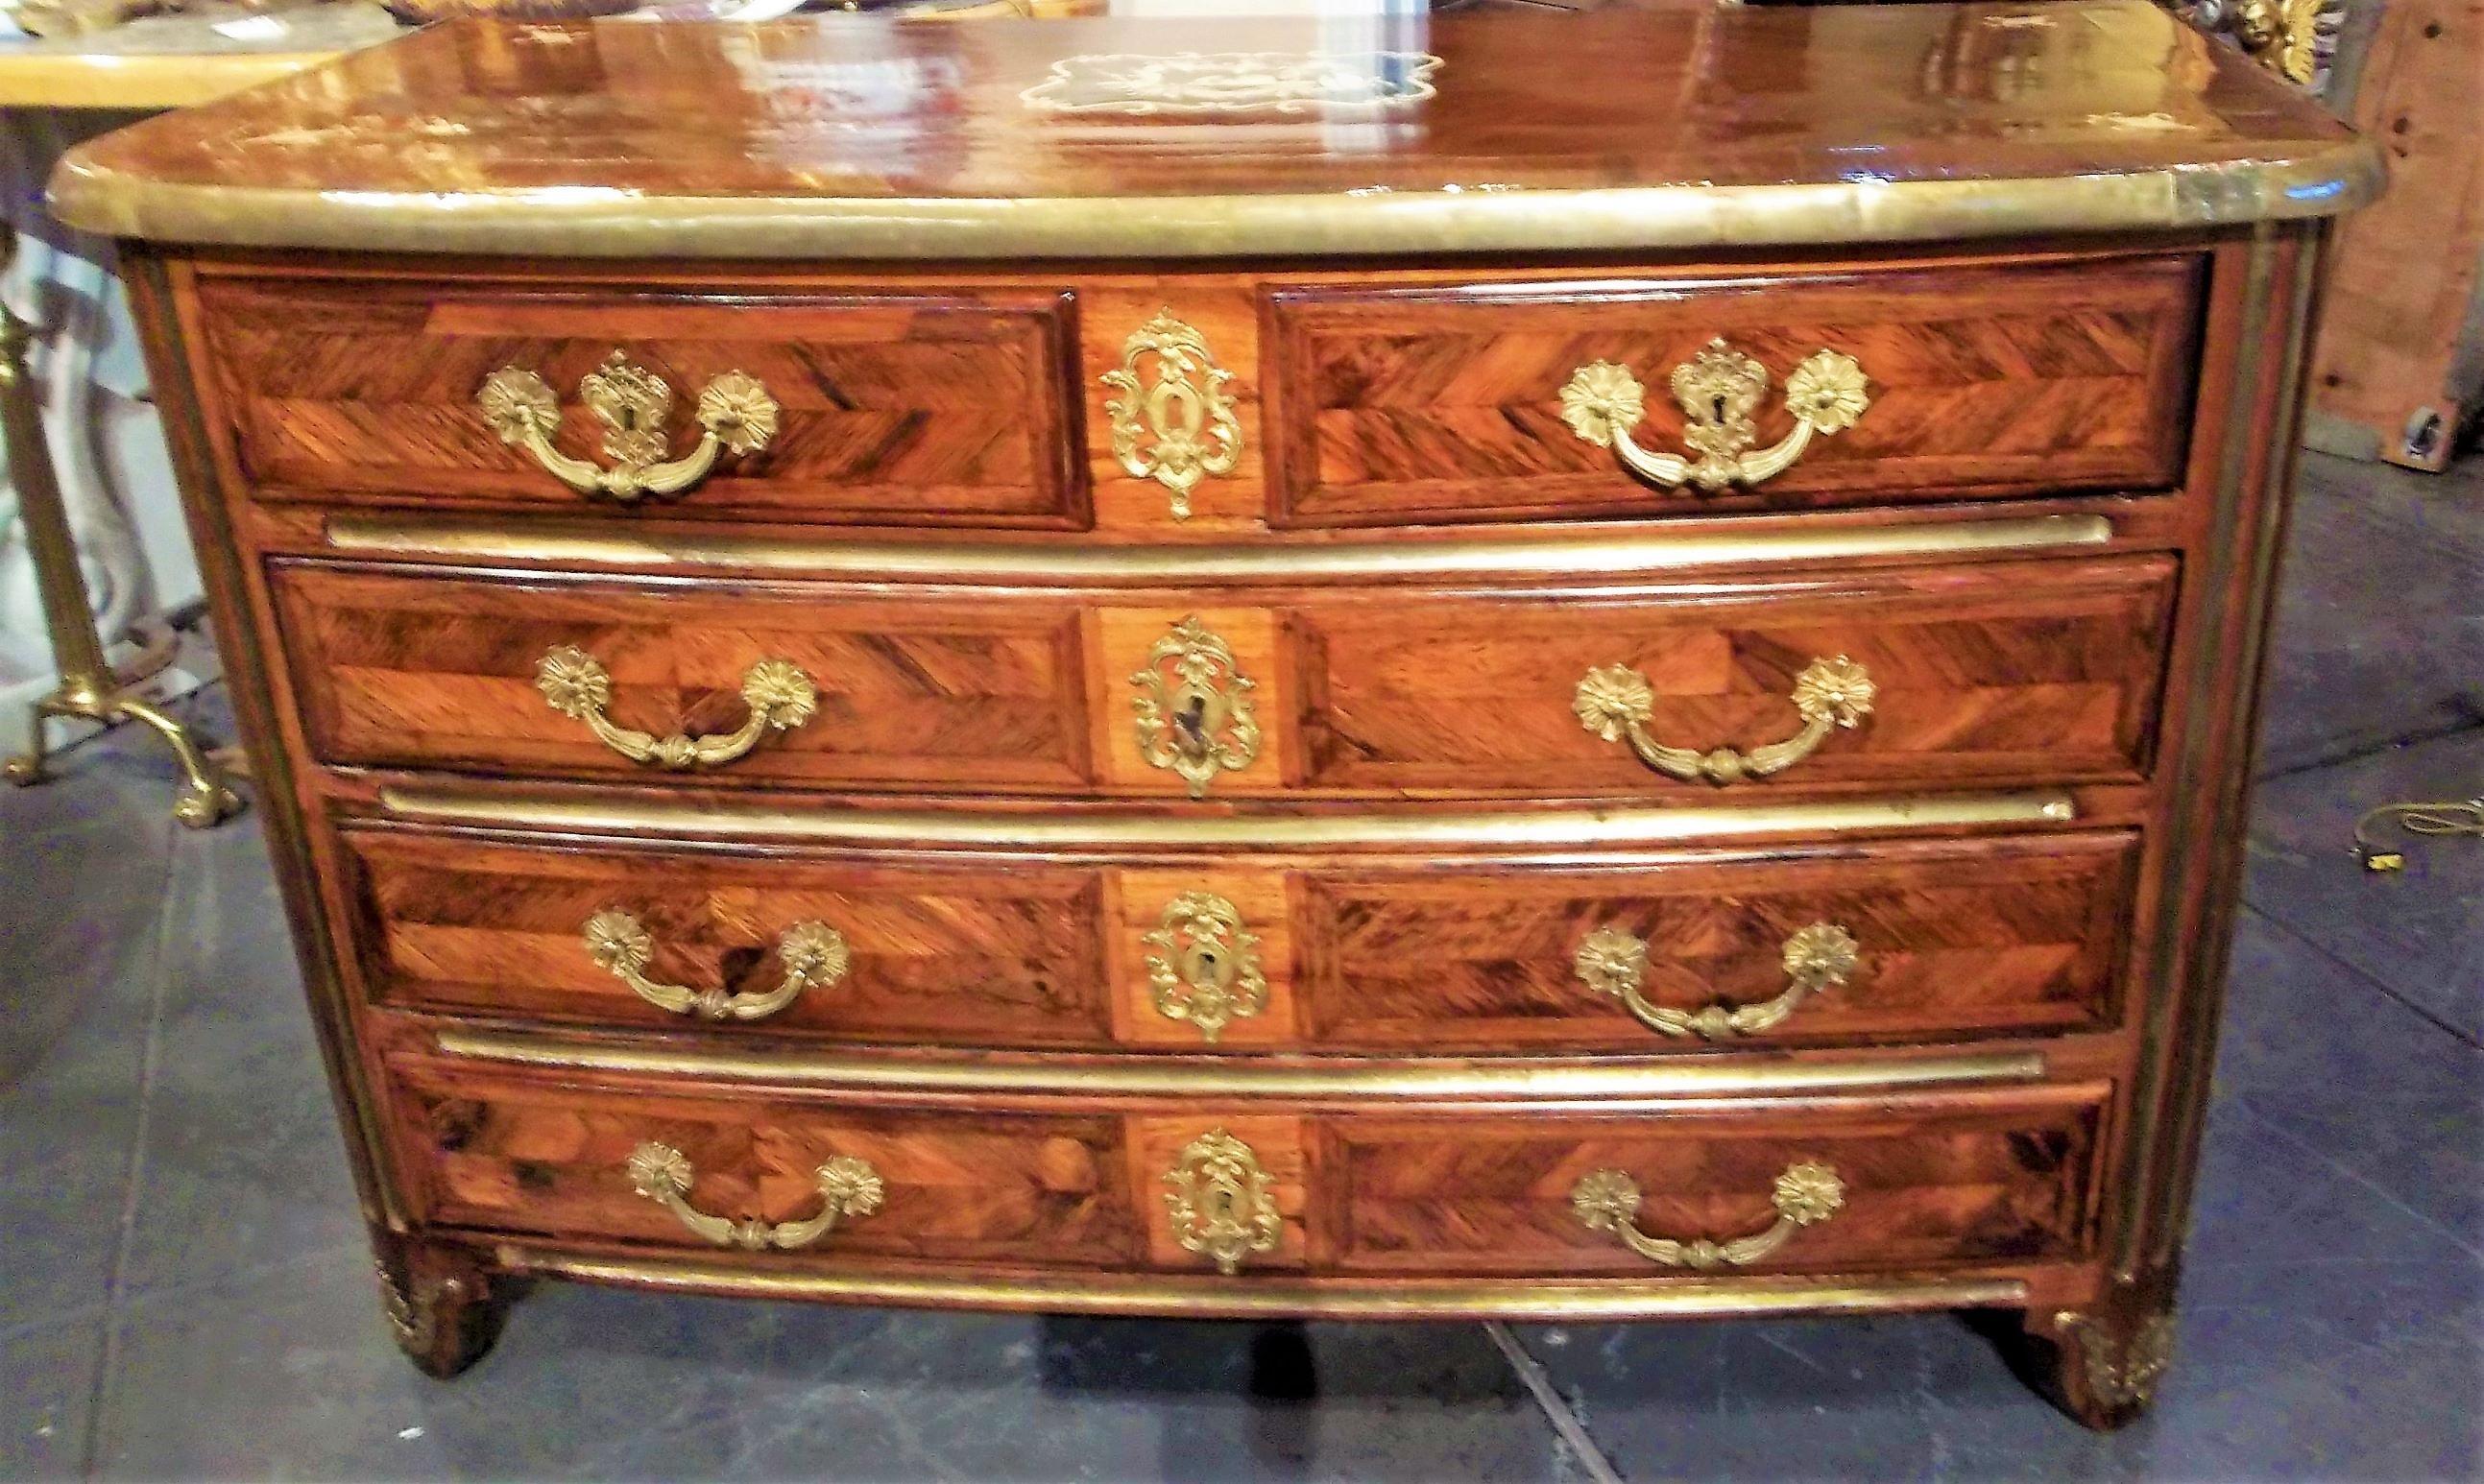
x=605 y=544
x=1113 y=1293
x=1070 y=827
x=134 y=81
x=569 y=223
x=1449 y=1079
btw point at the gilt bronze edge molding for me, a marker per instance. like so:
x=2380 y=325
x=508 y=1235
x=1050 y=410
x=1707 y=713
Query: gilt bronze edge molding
x=1353 y=1077
x=1069 y=829
x=1056 y=562
x=1112 y=1293
x=2321 y=180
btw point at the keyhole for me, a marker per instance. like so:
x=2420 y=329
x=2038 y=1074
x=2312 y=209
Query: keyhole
x=1717 y=408
x=1192 y=720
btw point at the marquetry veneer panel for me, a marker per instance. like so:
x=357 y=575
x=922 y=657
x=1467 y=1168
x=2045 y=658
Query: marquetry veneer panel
x=1443 y=402
x=989 y=953
x=2001 y=673
x=1928 y=1180
x=2015 y=935
x=1985 y=1177
x=518 y=1156
x=1951 y=940
x=431 y=669
x=921 y=407
x=2028 y=672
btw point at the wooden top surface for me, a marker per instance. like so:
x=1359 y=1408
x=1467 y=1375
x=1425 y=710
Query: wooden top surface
x=1648 y=126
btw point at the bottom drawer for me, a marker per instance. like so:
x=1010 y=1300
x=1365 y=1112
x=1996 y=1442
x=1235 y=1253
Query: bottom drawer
x=1846 y=1183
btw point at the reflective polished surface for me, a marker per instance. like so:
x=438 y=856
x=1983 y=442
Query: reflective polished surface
x=1656 y=126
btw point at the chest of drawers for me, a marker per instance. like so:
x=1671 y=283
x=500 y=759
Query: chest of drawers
x=1353 y=702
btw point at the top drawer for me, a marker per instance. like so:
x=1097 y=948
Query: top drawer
x=1455 y=403
x=924 y=407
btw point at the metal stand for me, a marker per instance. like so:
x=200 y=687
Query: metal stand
x=88 y=687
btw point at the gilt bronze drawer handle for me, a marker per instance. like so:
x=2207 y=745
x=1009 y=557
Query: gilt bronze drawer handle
x=847 y=1187
x=634 y=404
x=813 y=955
x=1221 y=1201
x=1203 y=966
x=1807 y=1193
x=1615 y=701
x=1718 y=389
x=1193 y=708
x=1177 y=427
x=1612 y=961
x=577 y=684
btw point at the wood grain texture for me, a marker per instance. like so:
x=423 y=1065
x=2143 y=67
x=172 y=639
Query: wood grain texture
x=1260 y=897
x=1442 y=402
x=2146 y=380
x=2012 y=937
x=973 y=956
x=986 y=1187
x=1997 y=937
x=1984 y=1178
x=2019 y=672
x=1999 y=674
x=1871 y=109
x=929 y=406
x=1931 y=1179
x=439 y=669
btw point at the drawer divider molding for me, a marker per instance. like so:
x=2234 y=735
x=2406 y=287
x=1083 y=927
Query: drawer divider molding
x=1110 y=1293
x=1444 y=1079
x=564 y=543
x=1073 y=829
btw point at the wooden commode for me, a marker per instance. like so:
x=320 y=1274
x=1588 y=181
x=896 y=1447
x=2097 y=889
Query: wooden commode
x=1502 y=664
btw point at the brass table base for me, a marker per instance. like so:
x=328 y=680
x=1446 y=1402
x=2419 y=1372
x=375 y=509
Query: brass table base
x=88 y=688
x=203 y=799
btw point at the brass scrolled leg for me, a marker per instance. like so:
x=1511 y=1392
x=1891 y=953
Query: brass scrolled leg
x=88 y=688
x=203 y=799
x=27 y=768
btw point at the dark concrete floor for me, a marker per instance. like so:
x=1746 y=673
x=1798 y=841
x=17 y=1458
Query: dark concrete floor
x=184 y=1291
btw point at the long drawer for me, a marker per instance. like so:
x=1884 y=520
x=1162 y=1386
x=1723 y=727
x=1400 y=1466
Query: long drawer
x=1169 y=403
x=1897 y=1181
x=1990 y=674
x=1815 y=944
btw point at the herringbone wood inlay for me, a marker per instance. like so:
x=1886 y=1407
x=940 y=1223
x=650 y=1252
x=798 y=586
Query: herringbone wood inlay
x=1956 y=939
x=440 y=670
x=2026 y=672
x=1486 y=1189
x=908 y=407
x=1439 y=402
x=517 y=1156
x=963 y=956
x=2022 y=1038
x=1988 y=1176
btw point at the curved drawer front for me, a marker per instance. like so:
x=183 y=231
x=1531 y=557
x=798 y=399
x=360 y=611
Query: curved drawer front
x=1051 y=1188
x=1806 y=945
x=1891 y=1184
x=2033 y=673
x=918 y=408
x=1784 y=1185
x=1809 y=946
x=1476 y=401
x=1976 y=675
x=509 y=674
x=988 y=954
